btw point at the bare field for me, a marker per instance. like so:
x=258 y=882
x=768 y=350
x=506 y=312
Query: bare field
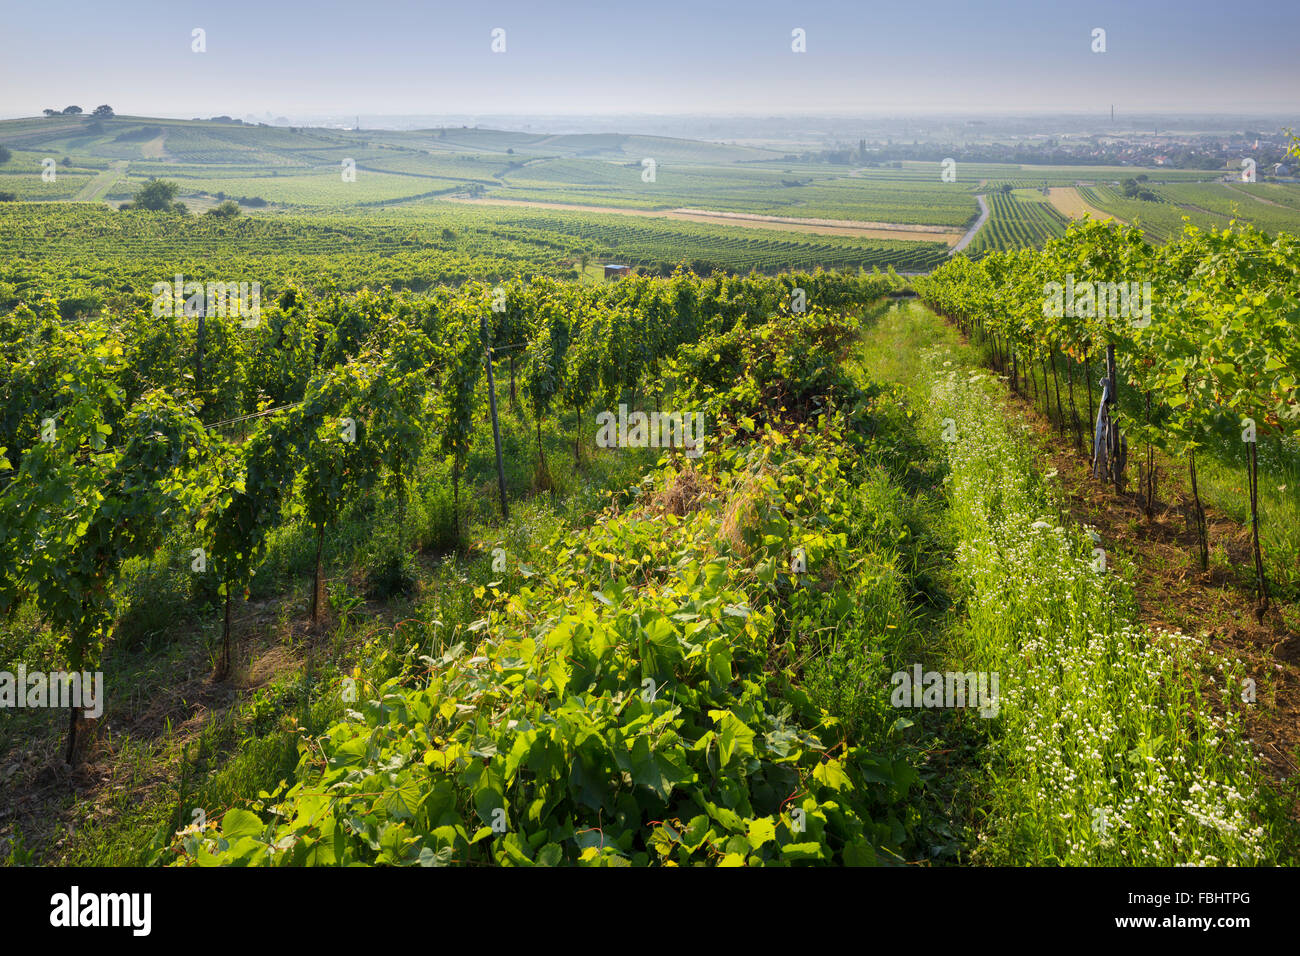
x=1068 y=201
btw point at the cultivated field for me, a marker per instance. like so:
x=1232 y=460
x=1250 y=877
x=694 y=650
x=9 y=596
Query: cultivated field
x=297 y=169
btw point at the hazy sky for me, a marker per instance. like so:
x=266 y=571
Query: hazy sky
x=665 y=56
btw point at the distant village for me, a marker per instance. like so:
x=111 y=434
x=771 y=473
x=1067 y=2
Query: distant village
x=1150 y=150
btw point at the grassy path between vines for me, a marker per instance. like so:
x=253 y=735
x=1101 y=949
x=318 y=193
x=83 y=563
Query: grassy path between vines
x=1120 y=739
x=1159 y=553
x=99 y=187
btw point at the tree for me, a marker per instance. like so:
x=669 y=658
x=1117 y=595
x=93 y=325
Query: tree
x=49 y=112
x=72 y=111
x=105 y=111
x=157 y=195
x=226 y=210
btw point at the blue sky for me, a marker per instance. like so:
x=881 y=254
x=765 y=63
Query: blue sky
x=666 y=56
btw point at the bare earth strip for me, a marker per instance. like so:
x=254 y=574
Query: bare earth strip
x=1068 y=201
x=832 y=227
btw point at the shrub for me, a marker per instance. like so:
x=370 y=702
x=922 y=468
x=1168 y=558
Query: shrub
x=226 y=210
x=389 y=566
x=434 y=520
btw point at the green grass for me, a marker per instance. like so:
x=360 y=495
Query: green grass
x=1221 y=477
x=101 y=185
x=1286 y=194
x=1108 y=749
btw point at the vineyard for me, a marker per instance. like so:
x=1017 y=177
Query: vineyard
x=83 y=250
x=1016 y=221
x=1273 y=193
x=395 y=528
x=1195 y=341
x=334 y=400
x=867 y=197
x=737 y=249
x=567 y=652
x=353 y=185
x=1207 y=206
x=1229 y=204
